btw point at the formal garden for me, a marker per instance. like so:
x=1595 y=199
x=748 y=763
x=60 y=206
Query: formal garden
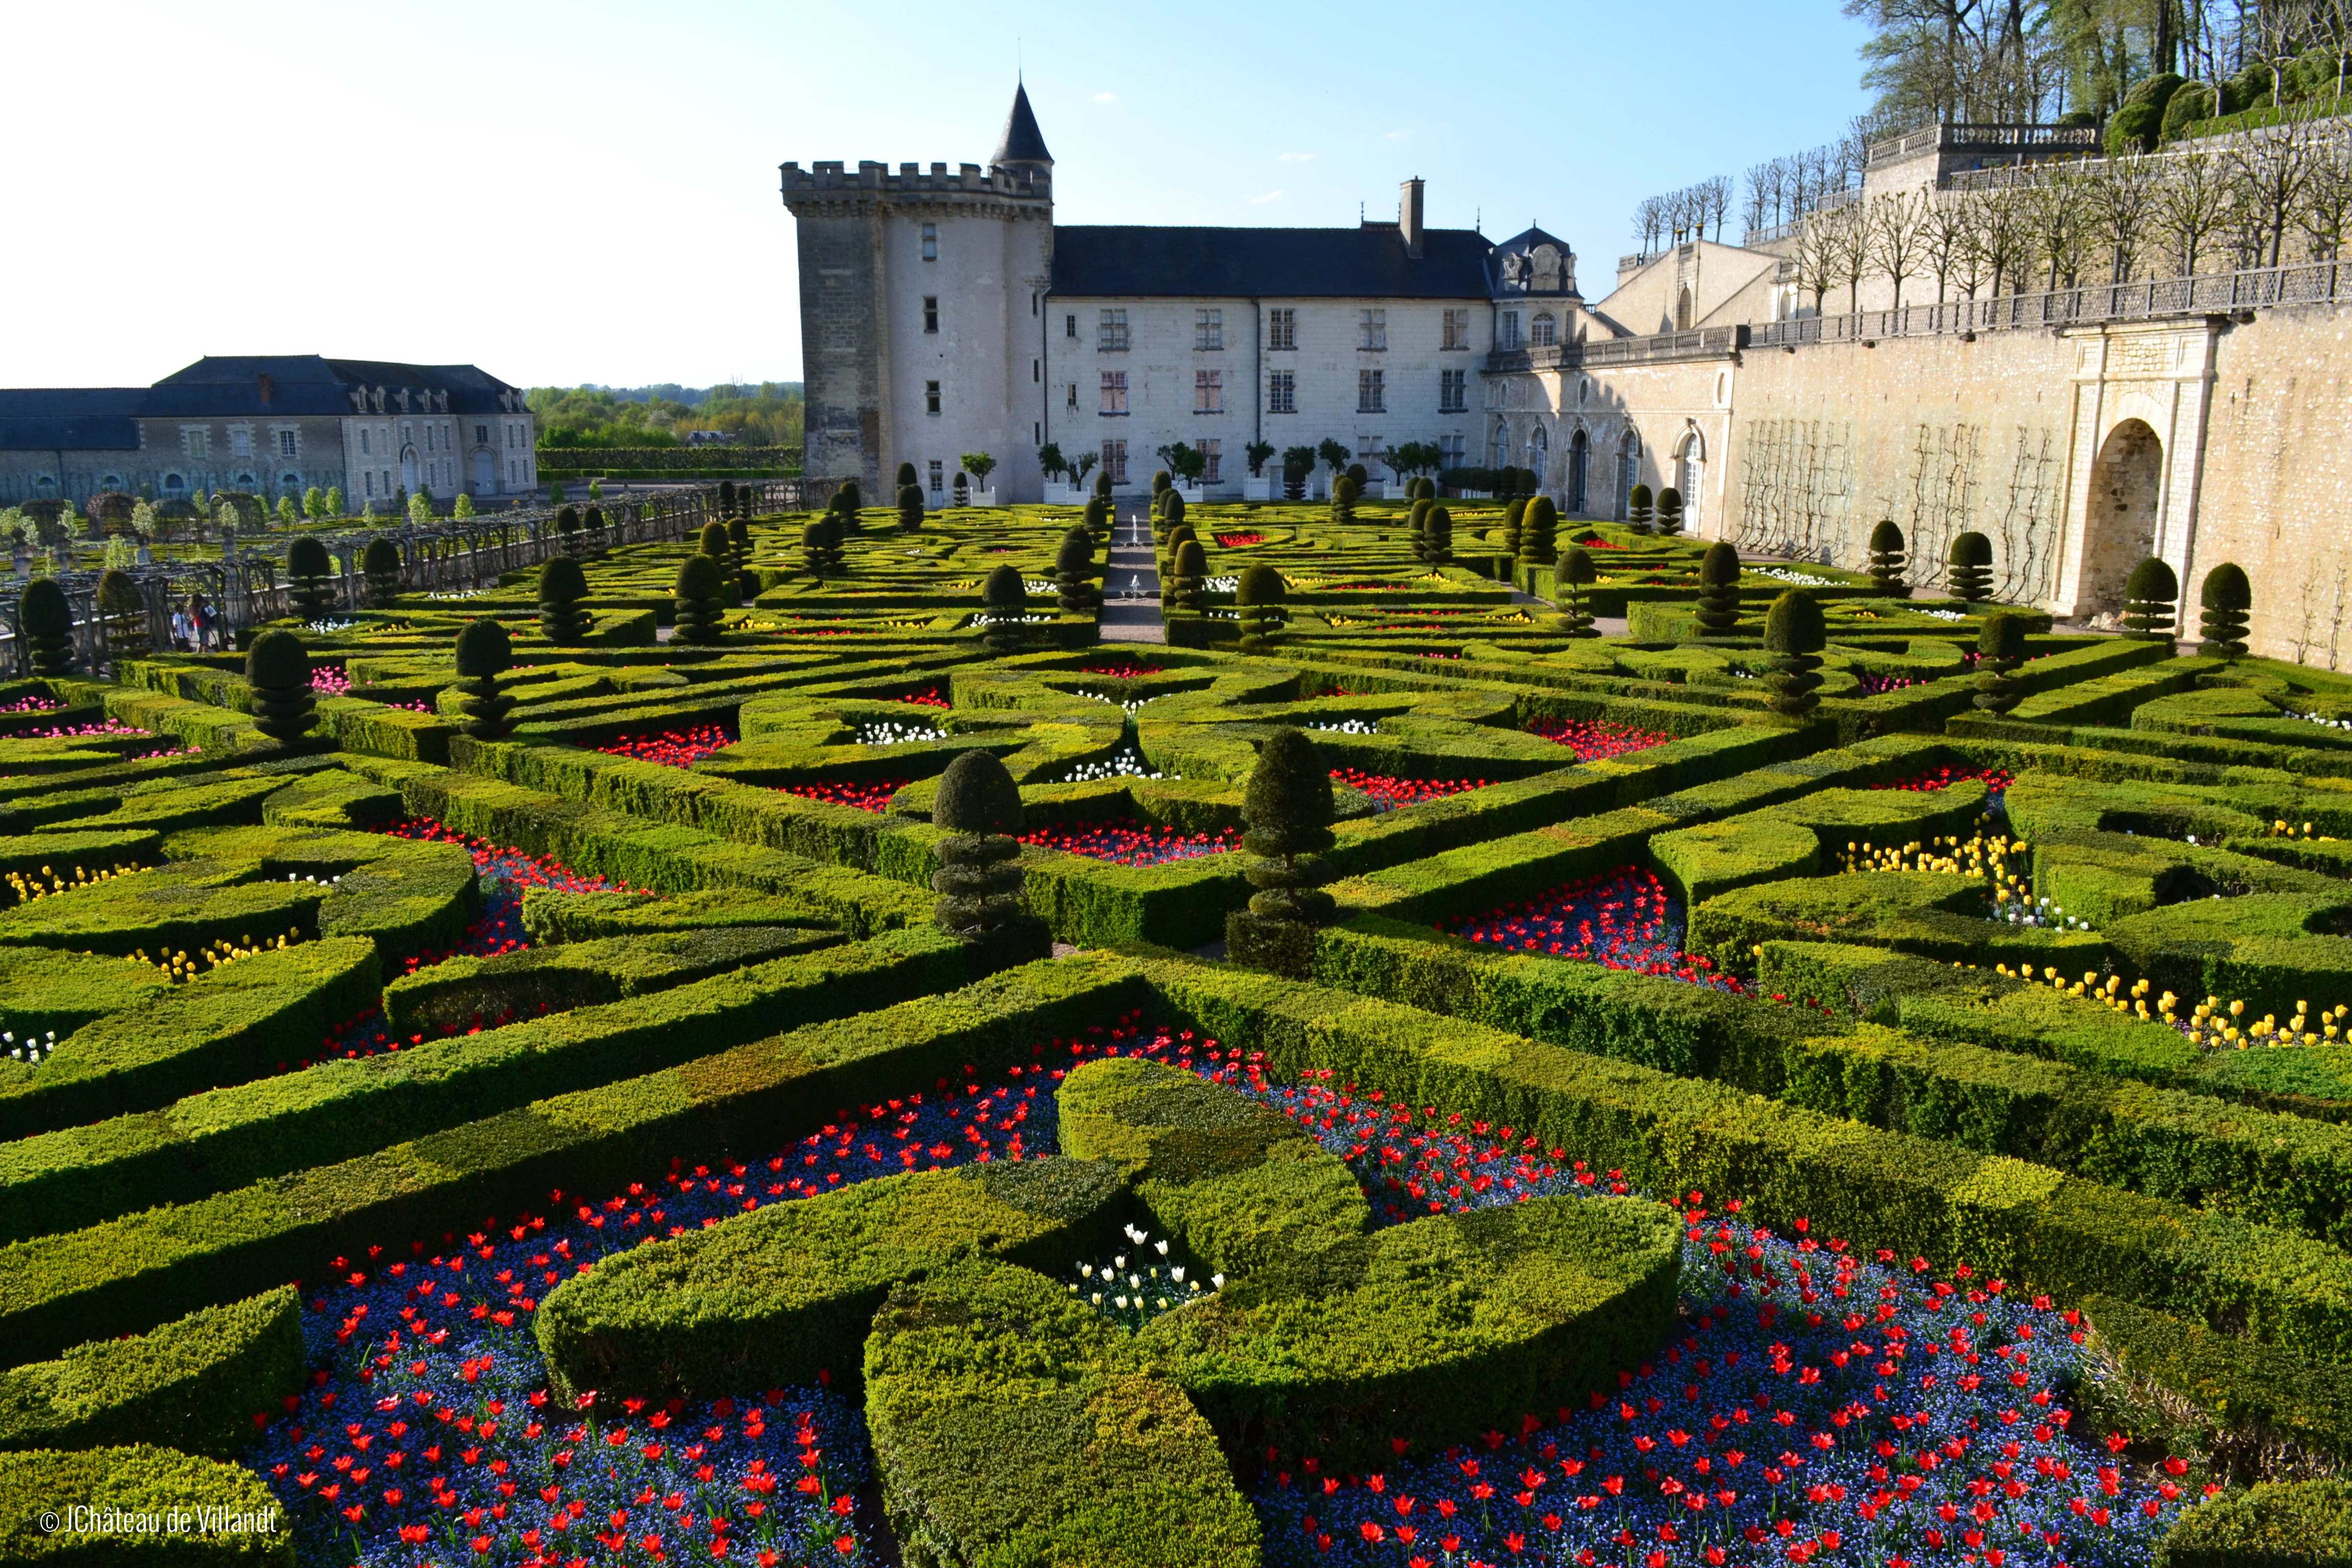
x=782 y=1045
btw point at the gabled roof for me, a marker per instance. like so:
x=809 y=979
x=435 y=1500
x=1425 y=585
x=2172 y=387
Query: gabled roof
x=1366 y=262
x=1022 y=142
x=70 y=418
x=219 y=386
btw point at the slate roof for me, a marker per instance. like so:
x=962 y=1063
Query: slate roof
x=222 y=386
x=1368 y=262
x=1021 y=141
x=72 y=419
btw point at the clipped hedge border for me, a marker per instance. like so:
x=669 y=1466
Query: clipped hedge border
x=140 y=1479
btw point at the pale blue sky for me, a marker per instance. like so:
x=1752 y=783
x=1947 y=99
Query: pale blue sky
x=587 y=191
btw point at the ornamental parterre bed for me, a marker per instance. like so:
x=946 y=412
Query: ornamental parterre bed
x=2015 y=948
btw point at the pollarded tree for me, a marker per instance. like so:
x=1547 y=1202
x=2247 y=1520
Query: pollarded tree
x=1539 y=532
x=561 y=586
x=1888 y=559
x=312 y=574
x=2227 y=600
x=1575 y=573
x=2151 y=601
x=278 y=674
x=1514 y=516
x=1004 y=611
x=1287 y=812
x=1437 y=535
x=2001 y=649
x=380 y=565
x=1075 y=574
x=911 y=508
x=979 y=880
x=47 y=621
x=122 y=610
x=1258 y=598
x=1719 y=590
x=1416 y=522
x=484 y=654
x=1968 y=573
x=1670 y=511
x=1794 y=636
x=1188 y=591
x=702 y=587
x=1638 y=509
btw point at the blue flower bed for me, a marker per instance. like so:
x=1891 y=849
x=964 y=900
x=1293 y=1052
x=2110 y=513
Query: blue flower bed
x=1814 y=1406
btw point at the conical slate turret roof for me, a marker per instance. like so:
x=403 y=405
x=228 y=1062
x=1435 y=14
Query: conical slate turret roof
x=1022 y=142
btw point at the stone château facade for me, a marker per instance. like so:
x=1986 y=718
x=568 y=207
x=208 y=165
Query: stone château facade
x=273 y=425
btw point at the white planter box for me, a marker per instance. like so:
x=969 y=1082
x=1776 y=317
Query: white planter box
x=973 y=498
x=1070 y=494
x=1258 y=490
x=1192 y=493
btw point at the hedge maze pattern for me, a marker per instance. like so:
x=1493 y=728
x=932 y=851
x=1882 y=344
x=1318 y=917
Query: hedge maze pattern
x=1865 y=1082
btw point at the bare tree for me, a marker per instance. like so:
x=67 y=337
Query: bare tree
x=1890 y=235
x=1945 y=235
x=1849 y=248
x=2270 y=173
x=2052 y=215
x=2119 y=197
x=2327 y=204
x=1816 y=259
x=1752 y=210
x=2193 y=205
x=2001 y=234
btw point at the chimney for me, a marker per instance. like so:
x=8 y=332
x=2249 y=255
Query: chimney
x=261 y=382
x=1409 y=216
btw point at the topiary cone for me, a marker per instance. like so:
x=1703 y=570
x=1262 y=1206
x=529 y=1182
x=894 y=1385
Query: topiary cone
x=1189 y=586
x=1574 y=575
x=1437 y=536
x=123 y=611
x=2227 y=600
x=979 y=880
x=2001 y=649
x=562 y=586
x=1514 y=526
x=312 y=571
x=700 y=582
x=1073 y=573
x=1416 y=522
x=484 y=654
x=46 y=618
x=380 y=565
x=278 y=677
x=1286 y=811
x=2151 y=601
x=1793 y=636
x=1719 y=590
x=1670 y=511
x=1637 y=508
x=1004 y=609
x=1258 y=598
x=1968 y=568
x=910 y=506
x=1887 y=560
x=1539 y=532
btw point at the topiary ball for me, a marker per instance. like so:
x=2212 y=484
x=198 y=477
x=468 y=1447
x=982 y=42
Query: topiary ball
x=484 y=650
x=2151 y=595
x=1259 y=586
x=976 y=795
x=1287 y=805
x=1191 y=560
x=44 y=610
x=1576 y=567
x=560 y=579
x=306 y=557
x=1794 y=625
x=2227 y=600
x=698 y=577
x=713 y=541
x=381 y=558
x=1004 y=591
x=1077 y=555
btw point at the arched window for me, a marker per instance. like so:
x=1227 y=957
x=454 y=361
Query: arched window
x=1580 y=453
x=175 y=483
x=1629 y=472
x=1690 y=476
x=1540 y=452
x=1502 y=445
x=1545 y=331
x=1682 y=311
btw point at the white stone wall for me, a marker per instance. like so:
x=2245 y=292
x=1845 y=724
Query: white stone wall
x=1161 y=365
x=989 y=278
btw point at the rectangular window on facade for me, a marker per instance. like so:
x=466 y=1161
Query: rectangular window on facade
x=1282 y=329
x=198 y=442
x=286 y=443
x=1373 y=331
x=1073 y=404
x=1282 y=392
x=930 y=313
x=1070 y=327
x=1037 y=371
x=939 y=478
x=1452 y=391
x=481 y=434
x=1208 y=329
x=1510 y=332
x=1368 y=393
x=1212 y=449
x=1114 y=461
x=240 y=443
x=931 y=242
x=1114 y=392
x=1452 y=446
x=1457 y=329
x=370 y=477
x=1111 y=333
x=1208 y=392
x=930 y=397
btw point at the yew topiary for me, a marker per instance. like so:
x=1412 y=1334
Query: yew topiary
x=562 y=586
x=567 y=530
x=123 y=611
x=1287 y=812
x=1187 y=588
x=1099 y=520
x=1574 y=575
x=277 y=676
x=47 y=619
x=1102 y=484
x=380 y=567
x=848 y=498
x=1416 y=523
x=702 y=587
x=1719 y=590
x=906 y=475
x=1005 y=611
x=311 y=575
x=484 y=654
x=1258 y=598
x=1670 y=511
x=1075 y=574
x=816 y=546
x=979 y=880
x=1638 y=511
x=1888 y=559
x=1344 y=492
x=1794 y=635
x=2151 y=601
x=1437 y=536
x=2001 y=649
x=1539 y=532
x=1968 y=573
x=911 y=509
x=713 y=541
x=2228 y=601
x=1514 y=516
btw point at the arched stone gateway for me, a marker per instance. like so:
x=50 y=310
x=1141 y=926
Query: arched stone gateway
x=2120 y=515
